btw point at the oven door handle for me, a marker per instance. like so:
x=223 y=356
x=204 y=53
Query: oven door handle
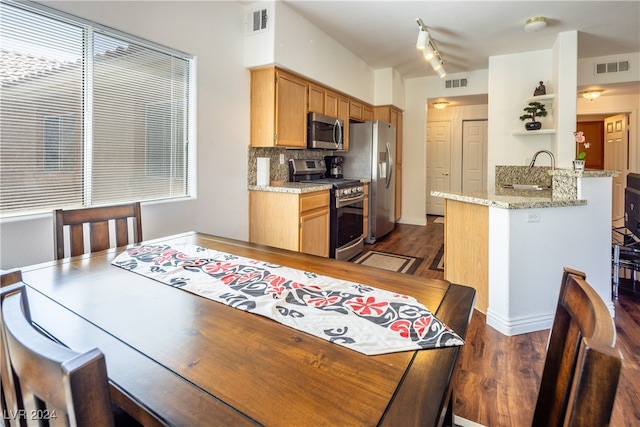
x=344 y=202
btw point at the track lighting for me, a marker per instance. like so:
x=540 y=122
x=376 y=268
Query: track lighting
x=423 y=39
x=428 y=53
x=429 y=49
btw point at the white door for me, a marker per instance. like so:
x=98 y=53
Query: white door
x=474 y=155
x=616 y=144
x=438 y=164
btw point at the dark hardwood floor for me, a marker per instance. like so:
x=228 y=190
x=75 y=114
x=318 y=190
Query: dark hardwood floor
x=499 y=376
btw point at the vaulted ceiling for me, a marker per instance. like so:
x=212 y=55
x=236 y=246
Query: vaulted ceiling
x=384 y=33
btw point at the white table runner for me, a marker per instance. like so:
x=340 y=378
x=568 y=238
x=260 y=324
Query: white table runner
x=360 y=317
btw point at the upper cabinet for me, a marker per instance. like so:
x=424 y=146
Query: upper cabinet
x=322 y=100
x=280 y=101
x=278 y=109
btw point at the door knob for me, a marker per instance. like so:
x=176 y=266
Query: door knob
x=445 y=173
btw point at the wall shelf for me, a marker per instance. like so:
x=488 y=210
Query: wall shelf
x=541 y=98
x=535 y=132
x=548 y=101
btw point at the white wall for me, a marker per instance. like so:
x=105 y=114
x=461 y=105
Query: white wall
x=214 y=33
x=522 y=295
x=414 y=161
x=512 y=79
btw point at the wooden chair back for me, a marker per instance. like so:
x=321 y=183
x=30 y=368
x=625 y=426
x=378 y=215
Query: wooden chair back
x=48 y=383
x=582 y=366
x=98 y=219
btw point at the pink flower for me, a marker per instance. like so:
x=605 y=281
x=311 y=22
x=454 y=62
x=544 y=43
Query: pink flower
x=579 y=137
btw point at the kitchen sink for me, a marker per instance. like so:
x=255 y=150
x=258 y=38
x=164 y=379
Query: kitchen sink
x=530 y=187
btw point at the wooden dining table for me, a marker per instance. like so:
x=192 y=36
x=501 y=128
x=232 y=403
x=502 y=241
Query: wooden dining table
x=176 y=358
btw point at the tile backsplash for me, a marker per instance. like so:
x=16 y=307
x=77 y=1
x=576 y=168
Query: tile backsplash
x=279 y=172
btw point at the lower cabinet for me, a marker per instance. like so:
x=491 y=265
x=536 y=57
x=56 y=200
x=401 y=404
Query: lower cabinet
x=298 y=222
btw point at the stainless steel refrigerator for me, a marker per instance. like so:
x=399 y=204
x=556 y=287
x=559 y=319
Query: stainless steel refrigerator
x=371 y=155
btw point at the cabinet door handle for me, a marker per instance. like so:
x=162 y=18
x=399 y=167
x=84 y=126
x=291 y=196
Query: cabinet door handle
x=445 y=173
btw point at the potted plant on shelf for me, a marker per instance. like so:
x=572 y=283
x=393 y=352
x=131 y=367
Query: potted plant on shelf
x=578 y=163
x=533 y=110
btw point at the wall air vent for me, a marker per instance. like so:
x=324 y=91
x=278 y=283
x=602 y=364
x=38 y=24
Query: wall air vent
x=257 y=21
x=612 y=67
x=449 y=84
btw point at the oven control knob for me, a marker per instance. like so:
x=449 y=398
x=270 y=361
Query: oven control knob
x=346 y=191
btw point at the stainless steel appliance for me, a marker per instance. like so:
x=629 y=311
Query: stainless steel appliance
x=334 y=166
x=372 y=147
x=324 y=132
x=346 y=214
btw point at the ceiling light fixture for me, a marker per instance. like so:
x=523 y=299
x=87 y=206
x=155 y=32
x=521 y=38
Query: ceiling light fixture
x=423 y=39
x=429 y=49
x=440 y=105
x=591 y=94
x=536 y=23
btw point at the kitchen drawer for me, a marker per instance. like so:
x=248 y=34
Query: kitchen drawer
x=314 y=201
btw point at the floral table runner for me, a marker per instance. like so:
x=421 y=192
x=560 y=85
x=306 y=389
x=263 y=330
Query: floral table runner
x=360 y=317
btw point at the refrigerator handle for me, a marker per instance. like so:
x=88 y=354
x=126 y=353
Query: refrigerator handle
x=389 y=165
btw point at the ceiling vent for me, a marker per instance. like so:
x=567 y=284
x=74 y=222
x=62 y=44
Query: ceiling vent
x=449 y=84
x=257 y=21
x=612 y=67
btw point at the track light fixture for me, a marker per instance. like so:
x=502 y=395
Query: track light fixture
x=429 y=49
x=423 y=39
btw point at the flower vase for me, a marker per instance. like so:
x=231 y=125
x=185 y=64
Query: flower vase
x=578 y=165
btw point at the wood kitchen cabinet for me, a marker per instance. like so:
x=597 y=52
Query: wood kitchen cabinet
x=343 y=114
x=298 y=222
x=322 y=100
x=278 y=109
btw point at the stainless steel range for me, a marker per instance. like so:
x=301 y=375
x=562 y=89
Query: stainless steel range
x=347 y=206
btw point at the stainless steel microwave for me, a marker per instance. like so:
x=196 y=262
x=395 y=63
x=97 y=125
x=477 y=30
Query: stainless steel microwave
x=324 y=132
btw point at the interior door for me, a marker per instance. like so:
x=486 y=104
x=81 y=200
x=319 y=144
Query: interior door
x=616 y=149
x=438 y=164
x=474 y=155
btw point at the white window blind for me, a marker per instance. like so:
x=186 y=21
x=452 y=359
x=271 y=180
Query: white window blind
x=88 y=116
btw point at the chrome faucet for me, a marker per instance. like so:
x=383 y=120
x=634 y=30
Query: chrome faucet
x=553 y=160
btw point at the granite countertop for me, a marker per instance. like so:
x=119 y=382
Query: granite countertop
x=295 y=187
x=291 y=187
x=511 y=199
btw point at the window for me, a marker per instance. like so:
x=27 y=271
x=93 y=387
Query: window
x=89 y=116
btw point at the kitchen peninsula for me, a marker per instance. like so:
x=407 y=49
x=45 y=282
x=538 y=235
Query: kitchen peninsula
x=511 y=245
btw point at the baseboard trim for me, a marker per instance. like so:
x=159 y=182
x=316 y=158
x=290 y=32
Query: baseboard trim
x=521 y=325
x=413 y=221
x=463 y=422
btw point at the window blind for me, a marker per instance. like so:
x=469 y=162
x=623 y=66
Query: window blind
x=88 y=116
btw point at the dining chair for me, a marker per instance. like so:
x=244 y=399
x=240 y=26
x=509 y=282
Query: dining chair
x=98 y=220
x=47 y=381
x=582 y=365
x=7 y=277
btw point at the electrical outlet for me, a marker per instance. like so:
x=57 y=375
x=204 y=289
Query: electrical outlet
x=282 y=159
x=533 y=217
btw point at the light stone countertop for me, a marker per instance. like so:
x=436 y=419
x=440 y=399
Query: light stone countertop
x=291 y=187
x=296 y=187
x=511 y=199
